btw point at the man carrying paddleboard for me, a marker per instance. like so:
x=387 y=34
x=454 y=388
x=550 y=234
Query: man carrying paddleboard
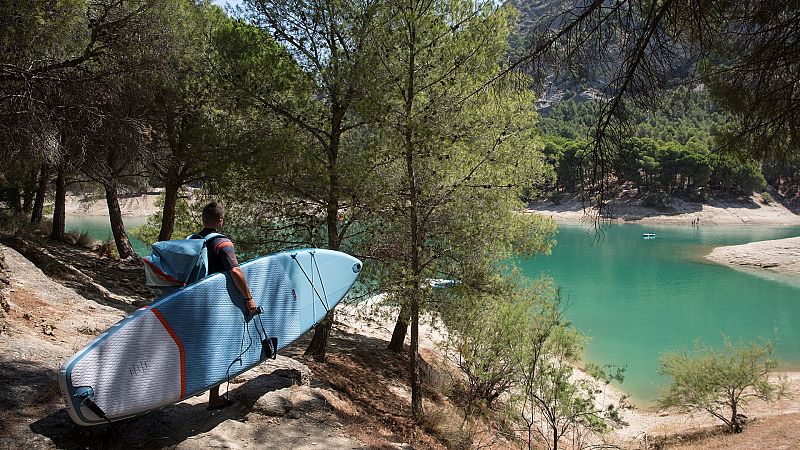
x=222 y=258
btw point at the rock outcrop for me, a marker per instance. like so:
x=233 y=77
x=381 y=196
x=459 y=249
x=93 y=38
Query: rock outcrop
x=5 y=283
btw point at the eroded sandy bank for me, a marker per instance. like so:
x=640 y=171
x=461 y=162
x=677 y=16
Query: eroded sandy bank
x=752 y=211
x=142 y=205
x=778 y=255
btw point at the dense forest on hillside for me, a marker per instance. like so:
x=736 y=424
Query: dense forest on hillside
x=663 y=97
x=674 y=149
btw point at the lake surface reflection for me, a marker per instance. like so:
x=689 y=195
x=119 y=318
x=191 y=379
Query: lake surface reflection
x=637 y=298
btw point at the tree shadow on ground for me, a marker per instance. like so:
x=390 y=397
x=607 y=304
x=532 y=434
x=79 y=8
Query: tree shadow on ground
x=125 y=278
x=119 y=284
x=25 y=383
x=790 y=201
x=372 y=378
x=165 y=427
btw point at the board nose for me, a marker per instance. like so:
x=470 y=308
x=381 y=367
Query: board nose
x=340 y=271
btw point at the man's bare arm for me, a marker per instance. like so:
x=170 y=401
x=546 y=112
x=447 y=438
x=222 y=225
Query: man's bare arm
x=238 y=279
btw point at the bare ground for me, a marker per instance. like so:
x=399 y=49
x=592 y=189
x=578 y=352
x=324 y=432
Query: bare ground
x=140 y=205
x=628 y=208
x=776 y=432
x=778 y=255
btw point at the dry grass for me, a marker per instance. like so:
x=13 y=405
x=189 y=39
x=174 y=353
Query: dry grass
x=81 y=239
x=447 y=423
x=108 y=249
x=775 y=432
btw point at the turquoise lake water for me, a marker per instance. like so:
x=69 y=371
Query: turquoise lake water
x=637 y=298
x=99 y=227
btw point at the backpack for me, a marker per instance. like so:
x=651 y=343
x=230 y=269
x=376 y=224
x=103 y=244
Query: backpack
x=174 y=264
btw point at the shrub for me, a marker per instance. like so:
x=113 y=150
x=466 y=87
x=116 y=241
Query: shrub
x=45 y=226
x=109 y=249
x=656 y=200
x=13 y=223
x=79 y=238
x=766 y=198
x=720 y=382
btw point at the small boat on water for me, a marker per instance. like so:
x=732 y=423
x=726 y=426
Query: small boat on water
x=648 y=235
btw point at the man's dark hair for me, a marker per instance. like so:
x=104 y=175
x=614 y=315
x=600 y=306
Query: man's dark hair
x=212 y=213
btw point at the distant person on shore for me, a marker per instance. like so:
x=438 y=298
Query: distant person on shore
x=222 y=258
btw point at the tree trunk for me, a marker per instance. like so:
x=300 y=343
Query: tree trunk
x=555 y=439
x=400 y=330
x=413 y=351
x=41 y=192
x=59 y=209
x=29 y=192
x=736 y=425
x=117 y=226
x=168 y=213
x=319 y=343
x=414 y=227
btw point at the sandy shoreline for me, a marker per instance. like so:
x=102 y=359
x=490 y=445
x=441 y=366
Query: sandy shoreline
x=751 y=211
x=143 y=205
x=778 y=255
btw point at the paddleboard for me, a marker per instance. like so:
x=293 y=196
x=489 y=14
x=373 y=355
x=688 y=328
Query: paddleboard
x=197 y=337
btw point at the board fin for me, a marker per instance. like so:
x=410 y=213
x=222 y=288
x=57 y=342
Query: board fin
x=85 y=395
x=270 y=348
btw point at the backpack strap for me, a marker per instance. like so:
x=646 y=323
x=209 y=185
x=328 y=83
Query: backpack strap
x=209 y=236
x=201 y=266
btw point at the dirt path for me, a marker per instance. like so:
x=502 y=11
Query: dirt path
x=47 y=322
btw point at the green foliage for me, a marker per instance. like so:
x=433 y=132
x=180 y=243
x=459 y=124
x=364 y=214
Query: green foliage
x=550 y=389
x=674 y=148
x=720 y=382
x=512 y=342
x=684 y=115
x=257 y=68
x=742 y=177
x=42 y=32
x=488 y=331
x=472 y=157
x=302 y=162
x=187 y=220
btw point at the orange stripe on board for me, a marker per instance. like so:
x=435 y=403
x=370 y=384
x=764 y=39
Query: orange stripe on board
x=180 y=348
